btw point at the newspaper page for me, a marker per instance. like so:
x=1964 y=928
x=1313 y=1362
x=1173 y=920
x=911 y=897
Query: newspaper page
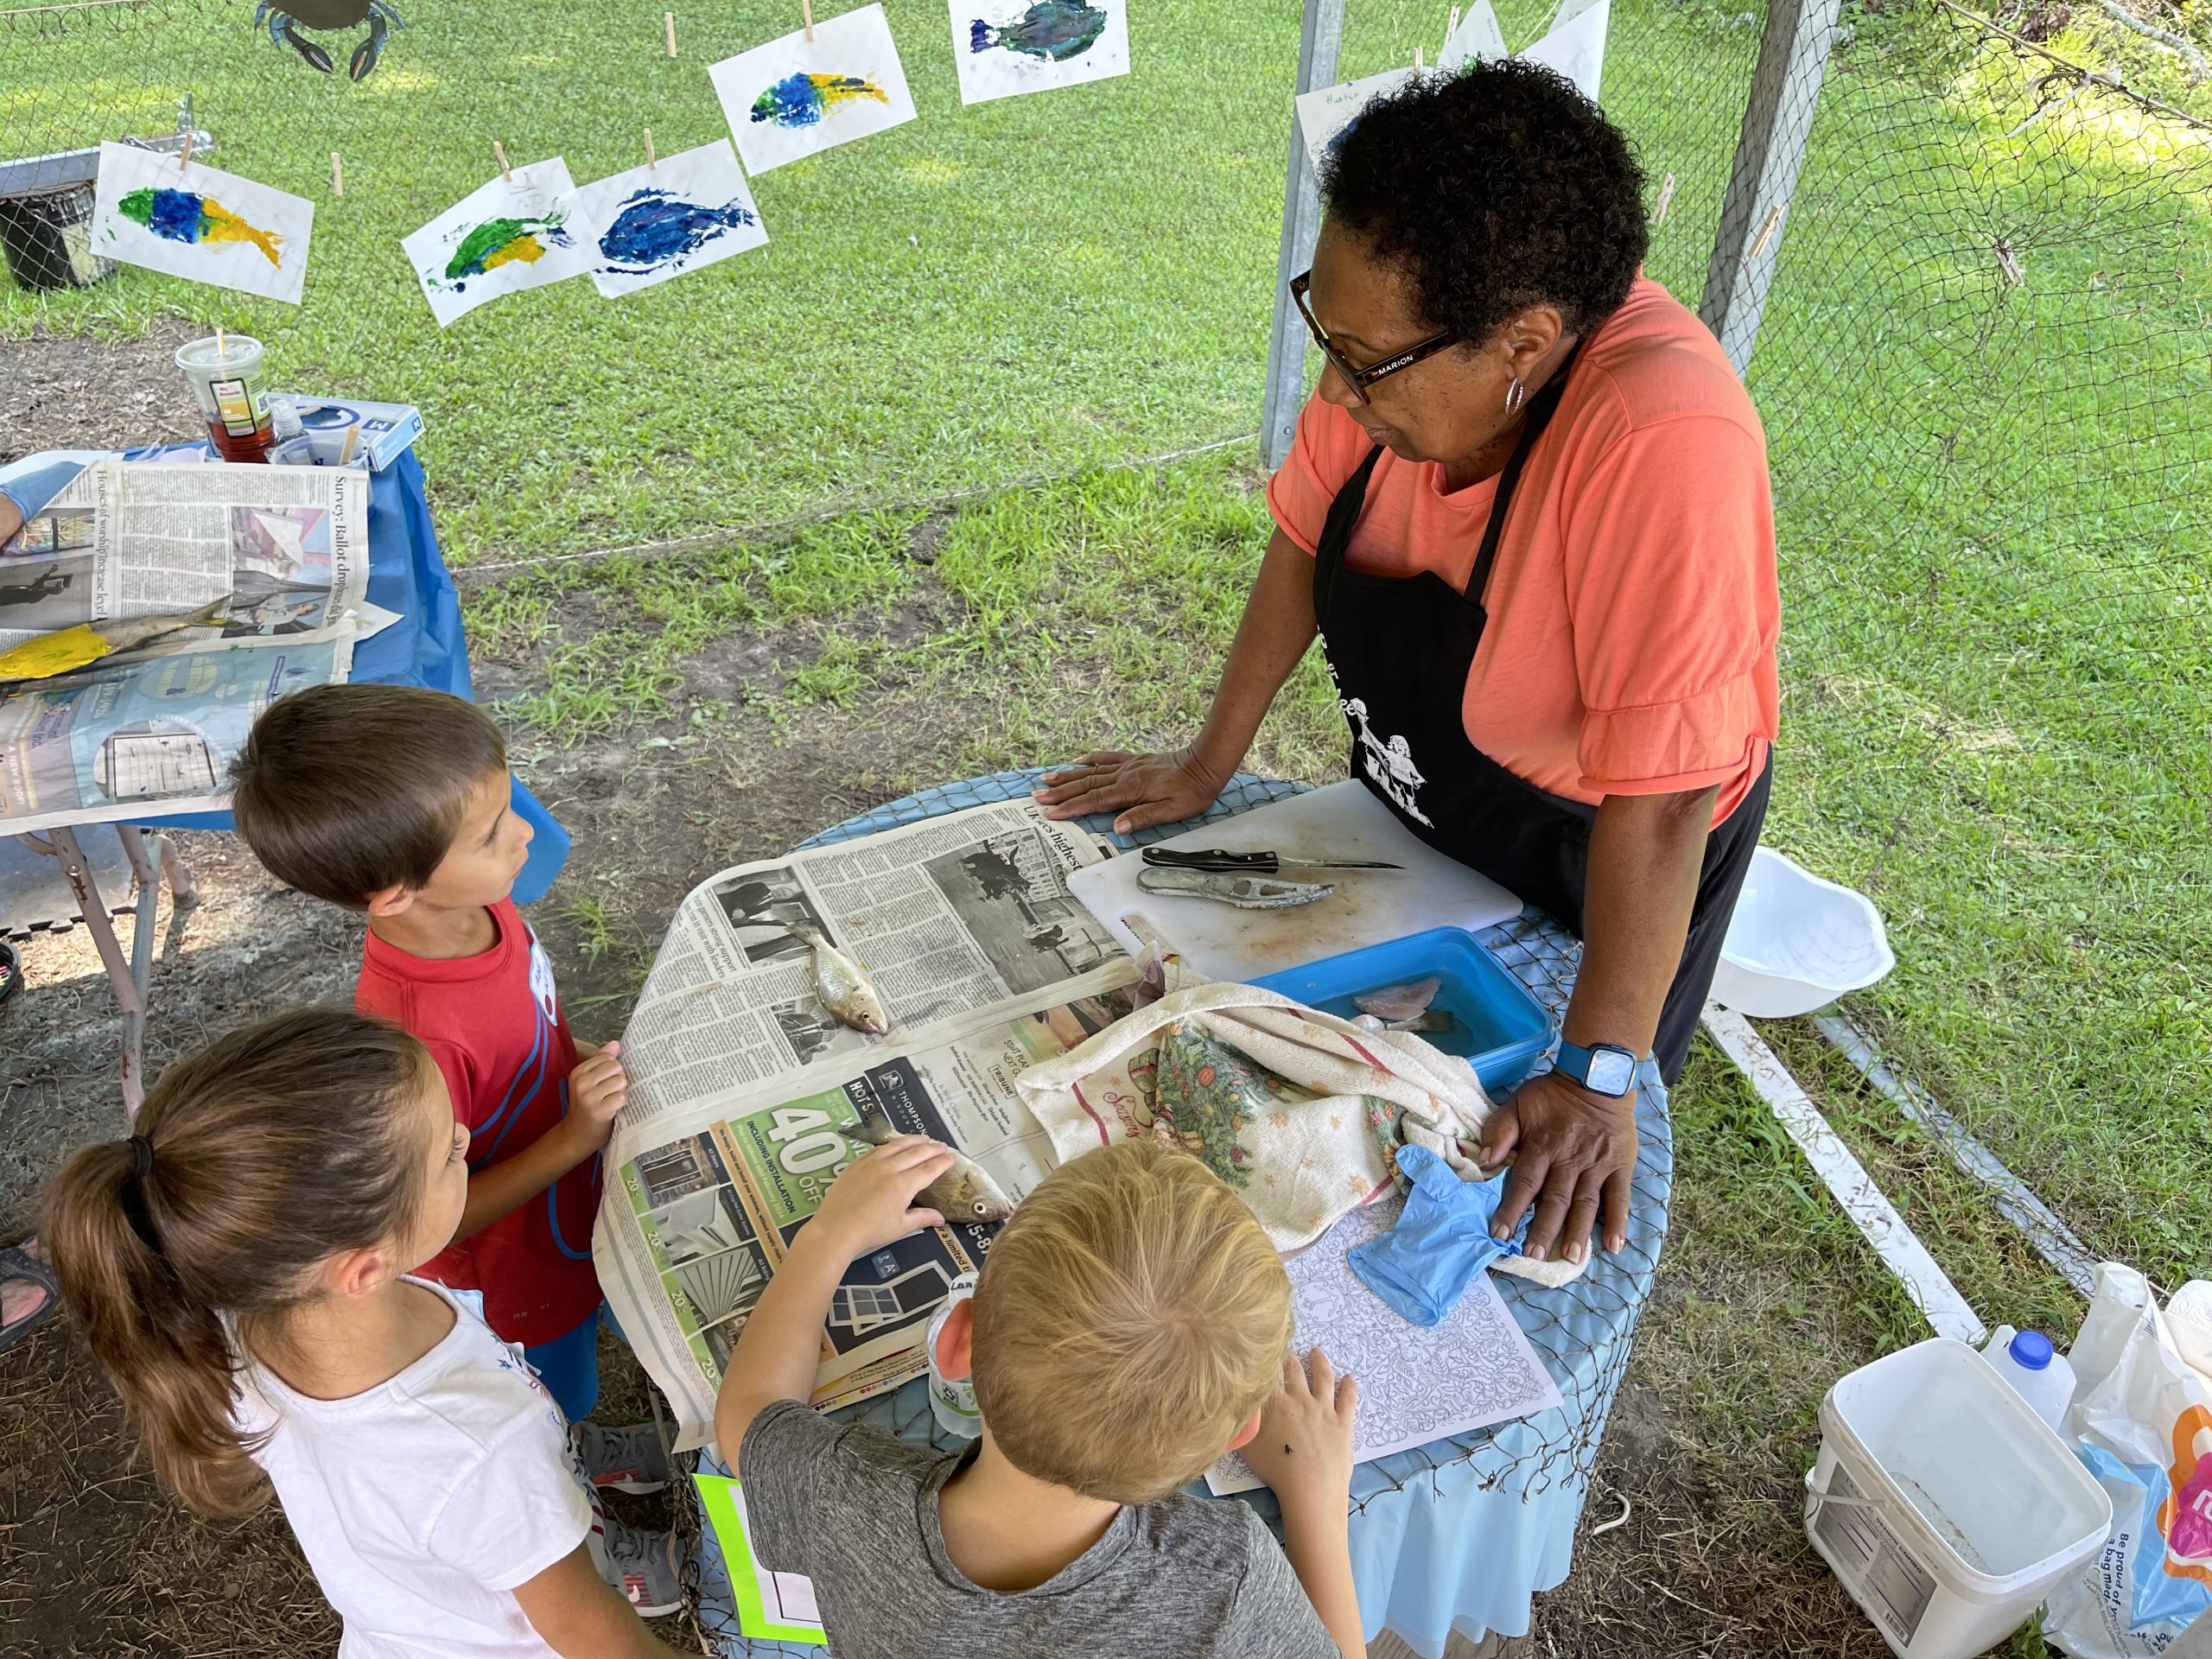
x=103 y=743
x=286 y=548
x=742 y=1086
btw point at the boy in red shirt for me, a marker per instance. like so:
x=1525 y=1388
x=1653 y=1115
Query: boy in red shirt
x=394 y=801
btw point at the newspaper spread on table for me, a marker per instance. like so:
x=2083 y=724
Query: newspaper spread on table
x=285 y=548
x=740 y=1083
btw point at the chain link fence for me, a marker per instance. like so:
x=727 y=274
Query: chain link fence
x=1984 y=375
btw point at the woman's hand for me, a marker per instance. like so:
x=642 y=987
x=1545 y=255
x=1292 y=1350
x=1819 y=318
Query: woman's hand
x=1573 y=1151
x=1142 y=789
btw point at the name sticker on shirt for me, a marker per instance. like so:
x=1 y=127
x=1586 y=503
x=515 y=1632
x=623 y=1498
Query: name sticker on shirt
x=541 y=979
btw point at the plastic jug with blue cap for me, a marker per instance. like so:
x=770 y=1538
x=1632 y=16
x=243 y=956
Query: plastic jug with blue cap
x=2038 y=1373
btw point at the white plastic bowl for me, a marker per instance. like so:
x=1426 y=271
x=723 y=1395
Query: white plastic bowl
x=1797 y=943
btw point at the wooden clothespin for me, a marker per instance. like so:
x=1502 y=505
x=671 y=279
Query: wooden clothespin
x=184 y=155
x=500 y=150
x=1666 y=201
x=668 y=18
x=337 y=175
x=1767 y=230
x=649 y=161
x=806 y=10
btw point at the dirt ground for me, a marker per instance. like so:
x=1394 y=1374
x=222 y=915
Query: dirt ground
x=95 y=1560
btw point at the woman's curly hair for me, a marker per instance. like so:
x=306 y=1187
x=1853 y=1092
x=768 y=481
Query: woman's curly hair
x=1493 y=190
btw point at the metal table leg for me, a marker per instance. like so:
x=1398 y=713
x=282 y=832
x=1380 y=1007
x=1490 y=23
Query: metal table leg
x=128 y=994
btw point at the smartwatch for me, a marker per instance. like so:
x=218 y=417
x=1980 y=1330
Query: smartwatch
x=1603 y=1068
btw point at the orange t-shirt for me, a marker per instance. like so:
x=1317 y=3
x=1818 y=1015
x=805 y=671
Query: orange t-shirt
x=1633 y=606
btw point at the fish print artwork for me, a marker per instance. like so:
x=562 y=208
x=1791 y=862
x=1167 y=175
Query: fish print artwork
x=196 y=222
x=794 y=98
x=509 y=234
x=800 y=100
x=1003 y=48
x=680 y=214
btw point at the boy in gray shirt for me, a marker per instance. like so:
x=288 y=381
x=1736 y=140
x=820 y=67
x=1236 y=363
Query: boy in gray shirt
x=1131 y=1324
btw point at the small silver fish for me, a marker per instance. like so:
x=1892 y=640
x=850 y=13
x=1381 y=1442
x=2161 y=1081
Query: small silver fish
x=1399 y=1001
x=962 y=1193
x=842 y=986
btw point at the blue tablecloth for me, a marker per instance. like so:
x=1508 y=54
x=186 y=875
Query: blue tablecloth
x=408 y=577
x=1457 y=1535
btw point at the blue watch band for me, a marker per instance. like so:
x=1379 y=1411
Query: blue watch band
x=1604 y=1069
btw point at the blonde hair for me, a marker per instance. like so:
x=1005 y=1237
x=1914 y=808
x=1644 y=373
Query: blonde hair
x=268 y=1152
x=1130 y=1317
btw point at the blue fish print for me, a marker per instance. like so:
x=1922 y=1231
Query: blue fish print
x=656 y=228
x=1053 y=30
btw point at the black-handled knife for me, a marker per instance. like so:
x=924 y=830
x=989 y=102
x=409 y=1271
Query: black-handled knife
x=1264 y=863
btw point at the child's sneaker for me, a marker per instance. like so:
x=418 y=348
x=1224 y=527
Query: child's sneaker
x=622 y=1459
x=645 y=1566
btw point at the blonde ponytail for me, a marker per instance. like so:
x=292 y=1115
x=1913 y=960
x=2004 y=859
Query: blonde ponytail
x=257 y=1159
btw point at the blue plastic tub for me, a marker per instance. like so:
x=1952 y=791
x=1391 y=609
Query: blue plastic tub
x=1498 y=1024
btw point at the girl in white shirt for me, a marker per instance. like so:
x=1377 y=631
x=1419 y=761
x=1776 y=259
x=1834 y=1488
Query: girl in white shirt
x=238 y=1267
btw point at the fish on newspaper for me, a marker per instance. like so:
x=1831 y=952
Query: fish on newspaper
x=842 y=986
x=58 y=652
x=964 y=1192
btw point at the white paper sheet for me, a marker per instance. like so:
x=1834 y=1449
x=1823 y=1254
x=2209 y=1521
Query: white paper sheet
x=1576 y=45
x=1324 y=112
x=1416 y=1384
x=1004 y=47
x=676 y=215
x=794 y=98
x=502 y=237
x=198 y=223
x=1477 y=40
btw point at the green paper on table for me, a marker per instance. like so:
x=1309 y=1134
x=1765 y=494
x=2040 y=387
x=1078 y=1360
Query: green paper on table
x=770 y=1606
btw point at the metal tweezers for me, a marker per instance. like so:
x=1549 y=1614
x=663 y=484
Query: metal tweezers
x=1245 y=892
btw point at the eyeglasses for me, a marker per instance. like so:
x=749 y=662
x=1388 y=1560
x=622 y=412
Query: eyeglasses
x=1360 y=379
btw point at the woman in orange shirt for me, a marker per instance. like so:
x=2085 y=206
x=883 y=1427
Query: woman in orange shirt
x=1527 y=513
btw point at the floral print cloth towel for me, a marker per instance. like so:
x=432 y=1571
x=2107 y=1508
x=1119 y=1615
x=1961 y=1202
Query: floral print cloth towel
x=1299 y=1111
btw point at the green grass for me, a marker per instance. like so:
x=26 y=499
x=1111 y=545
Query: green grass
x=1026 y=287
x=1991 y=498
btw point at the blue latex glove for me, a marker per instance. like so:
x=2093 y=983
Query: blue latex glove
x=1422 y=1265
x=35 y=480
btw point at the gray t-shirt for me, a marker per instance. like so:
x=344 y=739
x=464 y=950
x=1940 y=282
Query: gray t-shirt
x=856 y=1511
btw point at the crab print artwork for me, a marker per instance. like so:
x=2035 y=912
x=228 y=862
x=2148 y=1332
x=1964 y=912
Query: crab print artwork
x=285 y=22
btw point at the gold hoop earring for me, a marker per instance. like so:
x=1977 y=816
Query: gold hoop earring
x=1515 y=394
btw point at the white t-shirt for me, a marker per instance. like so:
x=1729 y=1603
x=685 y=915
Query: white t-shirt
x=422 y=1503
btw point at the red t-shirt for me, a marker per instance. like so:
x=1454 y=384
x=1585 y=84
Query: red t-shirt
x=493 y=1025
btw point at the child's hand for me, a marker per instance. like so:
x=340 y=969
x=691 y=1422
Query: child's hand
x=871 y=1203
x=597 y=1090
x=1303 y=1449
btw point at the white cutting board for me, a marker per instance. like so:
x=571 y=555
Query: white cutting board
x=1369 y=907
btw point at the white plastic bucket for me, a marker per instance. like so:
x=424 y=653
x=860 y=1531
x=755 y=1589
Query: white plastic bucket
x=1945 y=1506
x=1797 y=943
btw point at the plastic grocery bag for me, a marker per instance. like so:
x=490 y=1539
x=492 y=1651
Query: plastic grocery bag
x=2142 y=1421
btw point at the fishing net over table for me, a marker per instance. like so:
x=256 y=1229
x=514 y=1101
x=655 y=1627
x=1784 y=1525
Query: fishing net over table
x=1460 y=1530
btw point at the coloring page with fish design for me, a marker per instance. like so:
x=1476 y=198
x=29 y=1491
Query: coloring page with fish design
x=509 y=234
x=1416 y=1384
x=1004 y=47
x=680 y=213
x=794 y=98
x=195 y=222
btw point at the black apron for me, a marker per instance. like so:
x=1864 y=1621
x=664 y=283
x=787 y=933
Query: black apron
x=1400 y=649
